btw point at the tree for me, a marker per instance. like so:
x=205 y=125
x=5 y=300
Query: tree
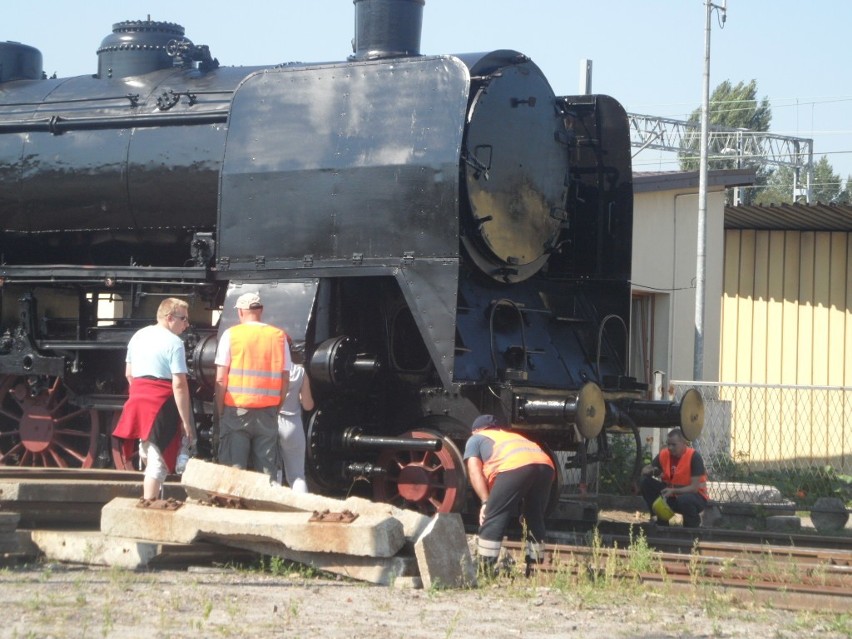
x=825 y=188
x=731 y=107
x=778 y=188
x=826 y=185
x=845 y=196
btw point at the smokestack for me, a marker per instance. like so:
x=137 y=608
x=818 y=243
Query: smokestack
x=19 y=62
x=387 y=28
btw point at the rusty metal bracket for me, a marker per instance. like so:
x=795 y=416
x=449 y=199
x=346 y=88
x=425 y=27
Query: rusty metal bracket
x=327 y=517
x=159 y=504
x=224 y=501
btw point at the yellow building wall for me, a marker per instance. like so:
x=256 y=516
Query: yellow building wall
x=787 y=321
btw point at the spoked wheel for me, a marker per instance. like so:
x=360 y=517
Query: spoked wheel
x=426 y=481
x=39 y=426
x=120 y=458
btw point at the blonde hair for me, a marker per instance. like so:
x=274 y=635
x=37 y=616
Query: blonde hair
x=170 y=306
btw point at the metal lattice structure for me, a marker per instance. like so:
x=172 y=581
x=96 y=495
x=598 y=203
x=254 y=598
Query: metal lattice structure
x=741 y=146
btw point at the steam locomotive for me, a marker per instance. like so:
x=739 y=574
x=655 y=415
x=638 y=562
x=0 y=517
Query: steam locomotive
x=446 y=236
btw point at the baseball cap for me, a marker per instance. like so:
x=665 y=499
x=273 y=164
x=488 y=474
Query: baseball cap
x=248 y=300
x=484 y=421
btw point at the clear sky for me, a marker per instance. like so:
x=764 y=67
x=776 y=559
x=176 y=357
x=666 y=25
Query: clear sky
x=648 y=54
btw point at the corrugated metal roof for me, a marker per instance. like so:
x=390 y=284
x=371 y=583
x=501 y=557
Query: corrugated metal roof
x=790 y=217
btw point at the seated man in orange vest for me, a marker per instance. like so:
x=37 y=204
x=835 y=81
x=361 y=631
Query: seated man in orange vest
x=252 y=376
x=682 y=483
x=505 y=468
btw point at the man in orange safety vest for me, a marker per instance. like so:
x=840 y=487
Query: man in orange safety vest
x=252 y=376
x=682 y=481
x=507 y=469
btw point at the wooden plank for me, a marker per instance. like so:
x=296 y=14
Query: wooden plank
x=760 y=317
x=775 y=307
x=728 y=367
x=821 y=293
x=790 y=321
x=805 y=376
x=745 y=307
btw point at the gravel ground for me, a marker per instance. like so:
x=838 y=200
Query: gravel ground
x=52 y=601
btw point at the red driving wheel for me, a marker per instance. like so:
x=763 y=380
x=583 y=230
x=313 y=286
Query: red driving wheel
x=39 y=425
x=427 y=481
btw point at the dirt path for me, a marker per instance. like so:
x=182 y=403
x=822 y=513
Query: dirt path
x=58 y=601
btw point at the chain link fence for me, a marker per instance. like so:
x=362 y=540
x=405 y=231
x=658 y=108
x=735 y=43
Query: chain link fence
x=784 y=447
x=795 y=439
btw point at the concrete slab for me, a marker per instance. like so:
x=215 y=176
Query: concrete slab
x=829 y=515
x=202 y=479
x=398 y=570
x=65 y=502
x=712 y=516
x=25 y=544
x=742 y=492
x=96 y=549
x=368 y=535
x=443 y=556
x=783 y=523
x=9 y=522
x=9 y=542
x=576 y=510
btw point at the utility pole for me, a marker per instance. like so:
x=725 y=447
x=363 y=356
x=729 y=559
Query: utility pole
x=701 y=252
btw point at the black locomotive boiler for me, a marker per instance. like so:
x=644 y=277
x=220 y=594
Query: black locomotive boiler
x=446 y=236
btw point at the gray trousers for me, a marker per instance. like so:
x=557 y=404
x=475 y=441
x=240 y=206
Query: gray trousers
x=248 y=437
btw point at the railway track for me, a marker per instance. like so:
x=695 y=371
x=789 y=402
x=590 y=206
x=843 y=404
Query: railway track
x=793 y=571
x=789 y=577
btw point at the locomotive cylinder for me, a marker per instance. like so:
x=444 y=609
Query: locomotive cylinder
x=354 y=440
x=585 y=408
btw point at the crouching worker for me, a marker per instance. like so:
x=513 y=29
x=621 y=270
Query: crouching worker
x=682 y=486
x=505 y=469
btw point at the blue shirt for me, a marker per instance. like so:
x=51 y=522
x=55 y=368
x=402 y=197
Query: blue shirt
x=155 y=351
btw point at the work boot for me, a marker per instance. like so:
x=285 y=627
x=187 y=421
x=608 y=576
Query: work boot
x=487 y=566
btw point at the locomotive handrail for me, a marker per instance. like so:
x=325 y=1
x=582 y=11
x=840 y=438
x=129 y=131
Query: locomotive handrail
x=81 y=345
x=26 y=274
x=132 y=97
x=56 y=124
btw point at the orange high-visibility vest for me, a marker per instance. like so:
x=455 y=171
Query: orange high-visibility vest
x=511 y=450
x=257 y=362
x=682 y=475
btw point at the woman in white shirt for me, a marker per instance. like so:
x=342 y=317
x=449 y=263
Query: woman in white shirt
x=291 y=432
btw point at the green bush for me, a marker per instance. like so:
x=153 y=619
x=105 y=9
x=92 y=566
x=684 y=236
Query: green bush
x=616 y=474
x=801 y=485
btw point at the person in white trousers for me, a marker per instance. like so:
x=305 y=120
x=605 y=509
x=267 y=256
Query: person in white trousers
x=291 y=432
